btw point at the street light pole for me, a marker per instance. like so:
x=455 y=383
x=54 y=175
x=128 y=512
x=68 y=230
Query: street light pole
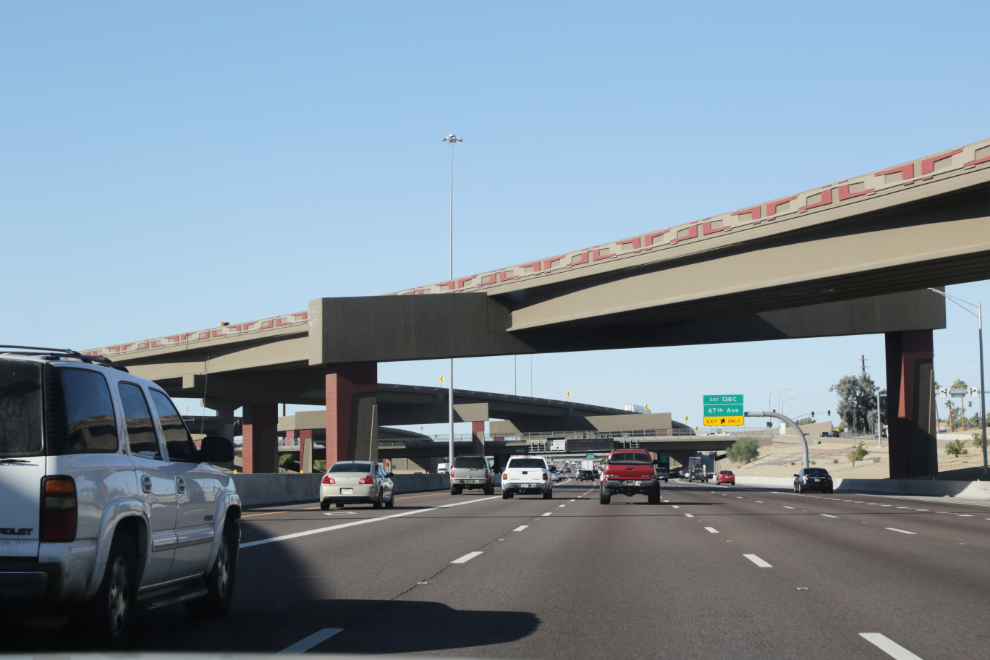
x=450 y=366
x=983 y=396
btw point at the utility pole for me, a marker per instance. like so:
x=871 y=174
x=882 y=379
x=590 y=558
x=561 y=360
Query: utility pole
x=862 y=359
x=450 y=377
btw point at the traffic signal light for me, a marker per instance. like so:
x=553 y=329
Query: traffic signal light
x=829 y=413
x=769 y=425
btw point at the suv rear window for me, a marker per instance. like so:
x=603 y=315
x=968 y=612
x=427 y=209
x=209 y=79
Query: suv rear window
x=363 y=468
x=629 y=457
x=526 y=463
x=20 y=408
x=473 y=462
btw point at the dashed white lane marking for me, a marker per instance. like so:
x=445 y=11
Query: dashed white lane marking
x=573 y=500
x=894 y=529
x=788 y=507
x=759 y=562
x=759 y=501
x=886 y=505
x=276 y=539
x=674 y=506
x=466 y=558
x=828 y=516
x=546 y=514
x=889 y=647
x=965 y=515
x=903 y=507
x=520 y=528
x=561 y=506
x=311 y=641
x=712 y=530
x=688 y=515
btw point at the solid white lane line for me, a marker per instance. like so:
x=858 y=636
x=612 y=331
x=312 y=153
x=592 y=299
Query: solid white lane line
x=712 y=530
x=688 y=515
x=312 y=640
x=546 y=514
x=276 y=539
x=789 y=507
x=466 y=558
x=828 y=516
x=756 y=560
x=893 y=529
x=520 y=528
x=889 y=647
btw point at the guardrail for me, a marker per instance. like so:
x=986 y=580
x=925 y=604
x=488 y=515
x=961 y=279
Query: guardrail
x=275 y=489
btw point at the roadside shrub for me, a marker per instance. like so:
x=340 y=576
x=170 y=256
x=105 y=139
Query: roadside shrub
x=876 y=460
x=857 y=453
x=835 y=461
x=814 y=463
x=954 y=448
x=744 y=450
x=283 y=459
x=320 y=466
x=977 y=441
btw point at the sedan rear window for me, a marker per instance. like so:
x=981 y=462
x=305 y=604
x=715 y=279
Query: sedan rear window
x=629 y=457
x=526 y=463
x=472 y=462
x=347 y=466
x=20 y=408
x=819 y=472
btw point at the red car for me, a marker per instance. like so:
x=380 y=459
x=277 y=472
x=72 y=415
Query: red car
x=630 y=472
x=726 y=477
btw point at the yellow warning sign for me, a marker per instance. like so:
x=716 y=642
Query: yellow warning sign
x=723 y=421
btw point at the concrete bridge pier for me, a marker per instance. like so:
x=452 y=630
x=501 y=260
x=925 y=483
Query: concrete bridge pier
x=912 y=417
x=260 y=438
x=352 y=397
x=478 y=438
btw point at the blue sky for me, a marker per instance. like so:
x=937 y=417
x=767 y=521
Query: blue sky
x=165 y=167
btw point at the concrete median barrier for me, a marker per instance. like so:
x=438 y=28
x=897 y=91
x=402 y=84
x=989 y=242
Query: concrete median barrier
x=275 y=489
x=969 y=490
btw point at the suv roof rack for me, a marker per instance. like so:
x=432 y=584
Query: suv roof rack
x=66 y=353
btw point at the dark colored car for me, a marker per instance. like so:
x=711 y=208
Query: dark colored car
x=586 y=475
x=726 y=477
x=835 y=434
x=813 y=478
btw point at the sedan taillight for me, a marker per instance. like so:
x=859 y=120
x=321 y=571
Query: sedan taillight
x=367 y=481
x=328 y=480
x=59 y=509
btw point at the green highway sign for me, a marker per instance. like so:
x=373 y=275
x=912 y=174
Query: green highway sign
x=723 y=410
x=590 y=456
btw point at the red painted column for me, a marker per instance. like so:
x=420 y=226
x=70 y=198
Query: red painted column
x=344 y=384
x=477 y=443
x=260 y=437
x=911 y=414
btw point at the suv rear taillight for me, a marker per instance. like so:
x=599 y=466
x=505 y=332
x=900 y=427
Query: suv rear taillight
x=486 y=474
x=328 y=480
x=367 y=481
x=451 y=472
x=59 y=509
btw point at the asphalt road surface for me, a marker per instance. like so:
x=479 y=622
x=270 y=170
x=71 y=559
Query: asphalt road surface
x=712 y=572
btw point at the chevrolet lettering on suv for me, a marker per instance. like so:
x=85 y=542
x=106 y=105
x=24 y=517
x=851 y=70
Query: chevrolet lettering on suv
x=106 y=504
x=630 y=472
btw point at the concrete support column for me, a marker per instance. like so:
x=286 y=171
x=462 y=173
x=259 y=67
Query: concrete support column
x=352 y=397
x=478 y=438
x=305 y=451
x=911 y=414
x=225 y=424
x=260 y=436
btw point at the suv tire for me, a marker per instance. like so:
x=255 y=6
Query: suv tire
x=220 y=579
x=107 y=619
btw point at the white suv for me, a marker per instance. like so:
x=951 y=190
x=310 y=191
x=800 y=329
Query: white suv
x=106 y=504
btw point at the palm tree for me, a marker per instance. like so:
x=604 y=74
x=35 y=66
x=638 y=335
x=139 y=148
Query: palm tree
x=948 y=404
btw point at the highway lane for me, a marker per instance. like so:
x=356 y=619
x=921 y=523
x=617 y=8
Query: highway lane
x=711 y=572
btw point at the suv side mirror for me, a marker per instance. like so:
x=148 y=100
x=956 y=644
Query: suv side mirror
x=214 y=449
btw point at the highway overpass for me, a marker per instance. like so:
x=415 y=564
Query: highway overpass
x=850 y=257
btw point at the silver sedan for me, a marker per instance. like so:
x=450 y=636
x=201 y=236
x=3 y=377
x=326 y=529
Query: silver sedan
x=356 y=482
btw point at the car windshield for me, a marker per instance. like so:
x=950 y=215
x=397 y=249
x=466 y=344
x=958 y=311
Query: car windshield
x=629 y=457
x=526 y=463
x=473 y=462
x=20 y=408
x=349 y=466
x=725 y=472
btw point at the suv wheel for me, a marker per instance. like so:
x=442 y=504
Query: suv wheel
x=453 y=489
x=107 y=618
x=220 y=579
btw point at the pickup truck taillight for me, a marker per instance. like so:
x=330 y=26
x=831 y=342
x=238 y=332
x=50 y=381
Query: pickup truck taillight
x=544 y=476
x=328 y=480
x=367 y=481
x=59 y=509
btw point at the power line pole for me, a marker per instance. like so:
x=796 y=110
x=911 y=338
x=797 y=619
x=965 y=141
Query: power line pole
x=450 y=371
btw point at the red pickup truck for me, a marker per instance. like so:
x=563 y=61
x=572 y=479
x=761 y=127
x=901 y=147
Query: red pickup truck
x=630 y=472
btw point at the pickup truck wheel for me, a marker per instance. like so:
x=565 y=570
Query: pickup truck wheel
x=220 y=579
x=654 y=495
x=325 y=505
x=107 y=618
x=548 y=495
x=506 y=494
x=605 y=497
